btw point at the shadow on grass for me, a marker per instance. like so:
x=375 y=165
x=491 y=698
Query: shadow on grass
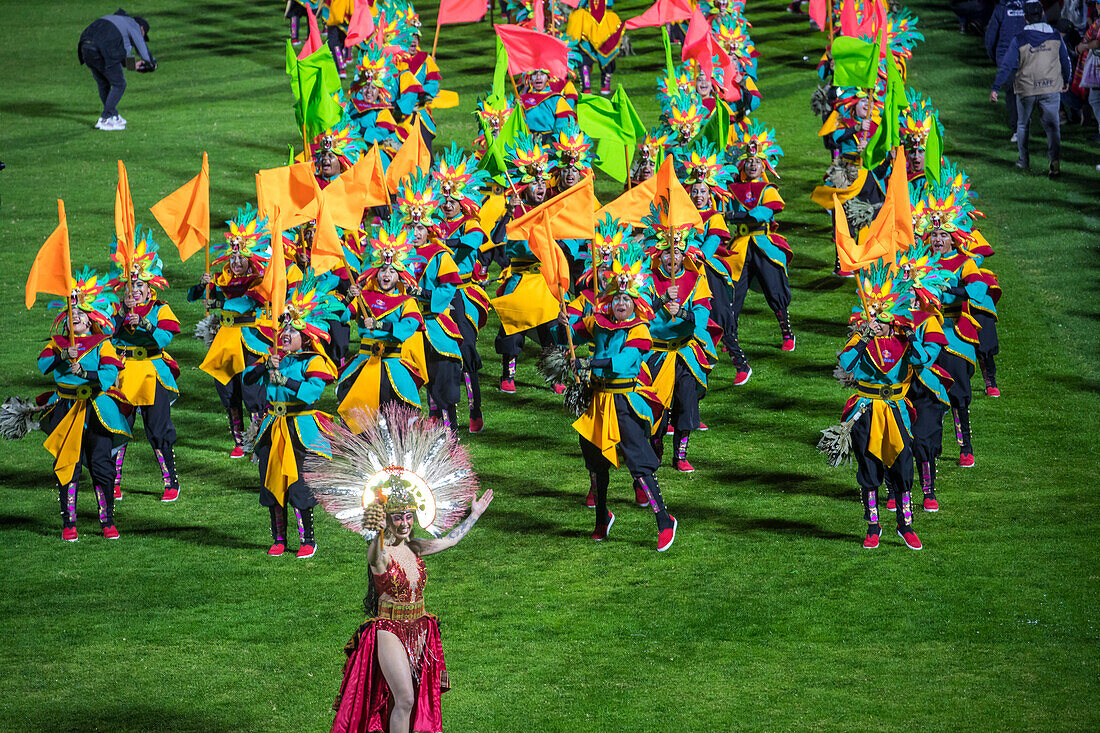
x=124 y=716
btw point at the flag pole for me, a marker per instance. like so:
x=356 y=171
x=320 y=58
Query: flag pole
x=435 y=42
x=568 y=331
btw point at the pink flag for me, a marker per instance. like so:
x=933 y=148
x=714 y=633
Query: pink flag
x=818 y=13
x=528 y=50
x=540 y=16
x=866 y=22
x=314 y=41
x=462 y=11
x=361 y=26
x=660 y=13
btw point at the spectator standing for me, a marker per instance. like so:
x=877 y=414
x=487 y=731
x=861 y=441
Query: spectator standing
x=1089 y=48
x=1040 y=61
x=104 y=47
x=1007 y=21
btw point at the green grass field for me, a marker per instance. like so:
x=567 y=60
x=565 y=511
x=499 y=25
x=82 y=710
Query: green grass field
x=765 y=615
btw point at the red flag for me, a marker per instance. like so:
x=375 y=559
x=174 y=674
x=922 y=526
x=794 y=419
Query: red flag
x=462 y=11
x=361 y=26
x=864 y=23
x=314 y=41
x=660 y=13
x=699 y=44
x=528 y=49
x=539 y=17
x=52 y=272
x=818 y=14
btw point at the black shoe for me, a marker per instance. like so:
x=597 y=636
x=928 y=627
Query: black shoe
x=1055 y=168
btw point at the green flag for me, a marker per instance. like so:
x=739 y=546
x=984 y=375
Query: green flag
x=888 y=135
x=717 y=128
x=601 y=119
x=628 y=116
x=668 y=51
x=494 y=159
x=500 y=72
x=316 y=82
x=933 y=151
x=291 y=63
x=855 y=62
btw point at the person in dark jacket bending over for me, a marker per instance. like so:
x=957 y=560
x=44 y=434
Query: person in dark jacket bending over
x=1040 y=61
x=104 y=47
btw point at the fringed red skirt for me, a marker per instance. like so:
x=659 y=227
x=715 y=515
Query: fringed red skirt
x=363 y=704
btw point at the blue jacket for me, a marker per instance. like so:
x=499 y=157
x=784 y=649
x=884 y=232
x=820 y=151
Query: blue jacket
x=1030 y=56
x=1007 y=20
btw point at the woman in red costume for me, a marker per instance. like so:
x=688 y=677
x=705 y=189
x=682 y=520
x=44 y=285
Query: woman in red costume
x=395 y=672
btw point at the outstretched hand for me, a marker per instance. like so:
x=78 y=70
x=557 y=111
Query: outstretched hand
x=480 y=505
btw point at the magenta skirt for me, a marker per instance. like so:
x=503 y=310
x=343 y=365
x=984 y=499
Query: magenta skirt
x=363 y=704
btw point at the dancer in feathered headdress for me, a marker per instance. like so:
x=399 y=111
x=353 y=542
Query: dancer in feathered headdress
x=335 y=150
x=369 y=100
x=400 y=472
x=930 y=383
x=875 y=421
x=544 y=109
x=234 y=303
x=459 y=182
x=683 y=350
x=381 y=373
x=82 y=418
x=684 y=114
x=524 y=302
x=437 y=283
x=493 y=114
x=919 y=121
x=943 y=224
x=758 y=252
x=293 y=378
x=144 y=325
x=851 y=124
x=621 y=416
x=599 y=34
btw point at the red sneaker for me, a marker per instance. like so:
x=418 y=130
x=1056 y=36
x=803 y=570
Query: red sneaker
x=870 y=542
x=110 y=533
x=992 y=392
x=966 y=460
x=671 y=430
x=69 y=534
x=742 y=377
x=843 y=273
x=306 y=551
x=891 y=505
x=683 y=466
x=237 y=452
x=640 y=497
x=276 y=549
x=666 y=536
x=788 y=344
x=702 y=427
x=477 y=424
x=559 y=388
x=508 y=385
x=931 y=505
x=911 y=540
x=118 y=493
x=590 y=502
x=170 y=495
x=602 y=530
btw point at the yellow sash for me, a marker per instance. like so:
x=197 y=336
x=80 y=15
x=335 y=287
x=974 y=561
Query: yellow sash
x=282 y=469
x=66 y=441
x=887 y=438
x=530 y=304
x=600 y=426
x=225 y=358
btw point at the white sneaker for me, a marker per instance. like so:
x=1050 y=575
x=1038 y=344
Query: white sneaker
x=99 y=123
x=121 y=119
x=1013 y=138
x=113 y=124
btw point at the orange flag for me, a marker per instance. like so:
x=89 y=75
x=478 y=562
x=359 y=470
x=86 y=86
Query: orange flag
x=412 y=156
x=124 y=216
x=345 y=198
x=372 y=174
x=327 y=252
x=51 y=272
x=287 y=195
x=855 y=255
x=897 y=191
x=274 y=284
x=184 y=214
x=633 y=206
x=571 y=215
x=555 y=268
